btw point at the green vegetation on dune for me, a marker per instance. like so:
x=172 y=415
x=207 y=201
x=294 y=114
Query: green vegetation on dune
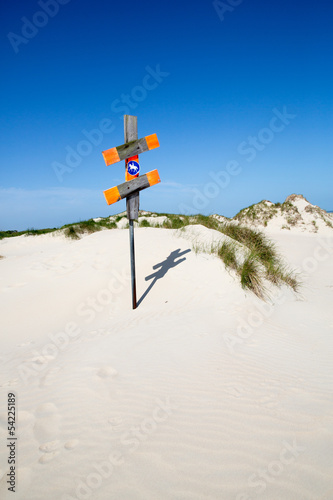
x=28 y=232
x=227 y=252
x=262 y=211
x=87 y=227
x=71 y=230
x=262 y=261
x=144 y=223
x=250 y=276
x=176 y=222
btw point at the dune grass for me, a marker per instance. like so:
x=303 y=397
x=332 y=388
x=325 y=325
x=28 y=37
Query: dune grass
x=28 y=232
x=175 y=222
x=227 y=252
x=74 y=231
x=70 y=230
x=251 y=278
x=279 y=275
x=262 y=263
x=144 y=223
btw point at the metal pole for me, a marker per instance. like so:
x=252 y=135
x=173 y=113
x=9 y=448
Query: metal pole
x=131 y=231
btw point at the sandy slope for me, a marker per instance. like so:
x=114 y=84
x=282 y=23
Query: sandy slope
x=203 y=392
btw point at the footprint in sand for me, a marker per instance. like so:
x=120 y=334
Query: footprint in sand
x=71 y=444
x=47 y=457
x=107 y=371
x=50 y=446
x=52 y=449
x=25 y=344
x=42 y=359
x=46 y=430
x=47 y=425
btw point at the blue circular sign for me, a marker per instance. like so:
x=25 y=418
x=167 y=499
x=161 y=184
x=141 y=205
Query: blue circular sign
x=133 y=167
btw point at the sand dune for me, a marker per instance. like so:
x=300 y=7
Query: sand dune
x=203 y=392
x=295 y=213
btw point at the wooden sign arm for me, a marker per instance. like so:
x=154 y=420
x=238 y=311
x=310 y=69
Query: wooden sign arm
x=129 y=187
x=129 y=149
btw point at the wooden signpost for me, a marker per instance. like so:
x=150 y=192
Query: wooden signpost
x=133 y=182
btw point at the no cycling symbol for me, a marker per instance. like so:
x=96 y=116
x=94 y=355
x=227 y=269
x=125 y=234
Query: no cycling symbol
x=133 y=167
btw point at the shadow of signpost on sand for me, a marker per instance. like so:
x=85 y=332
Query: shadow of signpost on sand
x=163 y=268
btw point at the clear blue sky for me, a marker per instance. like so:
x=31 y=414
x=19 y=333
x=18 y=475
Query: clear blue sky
x=240 y=99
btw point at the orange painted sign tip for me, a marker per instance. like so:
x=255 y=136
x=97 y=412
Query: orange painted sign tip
x=110 y=156
x=153 y=177
x=152 y=141
x=112 y=195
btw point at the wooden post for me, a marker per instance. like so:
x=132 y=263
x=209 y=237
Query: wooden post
x=132 y=201
x=134 y=183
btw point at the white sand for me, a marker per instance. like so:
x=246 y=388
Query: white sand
x=203 y=392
